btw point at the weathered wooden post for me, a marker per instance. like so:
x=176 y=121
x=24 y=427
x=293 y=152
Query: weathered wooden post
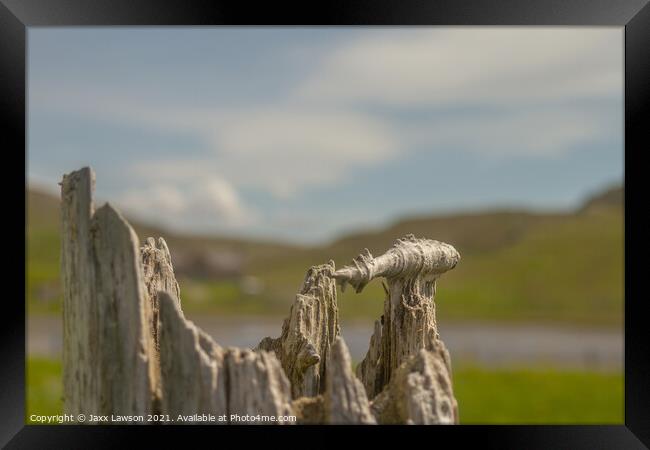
x=200 y=377
x=108 y=346
x=80 y=340
x=420 y=392
x=408 y=324
x=308 y=333
x=158 y=275
x=129 y=350
x=345 y=398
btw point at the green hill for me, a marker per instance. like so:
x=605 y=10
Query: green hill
x=613 y=197
x=516 y=265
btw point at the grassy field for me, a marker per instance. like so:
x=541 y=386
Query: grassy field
x=516 y=266
x=44 y=387
x=537 y=396
x=511 y=396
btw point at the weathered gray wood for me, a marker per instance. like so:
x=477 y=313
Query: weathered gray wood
x=127 y=376
x=256 y=385
x=158 y=276
x=158 y=273
x=345 y=398
x=420 y=392
x=200 y=377
x=108 y=347
x=303 y=348
x=80 y=343
x=370 y=369
x=191 y=364
x=408 y=324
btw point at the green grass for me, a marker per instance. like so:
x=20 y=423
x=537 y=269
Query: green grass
x=43 y=266
x=44 y=387
x=224 y=296
x=485 y=396
x=537 y=396
x=572 y=272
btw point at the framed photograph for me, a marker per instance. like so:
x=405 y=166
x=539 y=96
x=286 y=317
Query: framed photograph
x=373 y=217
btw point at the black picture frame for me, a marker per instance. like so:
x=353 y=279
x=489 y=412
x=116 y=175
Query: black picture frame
x=634 y=15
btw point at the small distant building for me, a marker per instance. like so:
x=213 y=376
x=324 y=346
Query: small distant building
x=208 y=264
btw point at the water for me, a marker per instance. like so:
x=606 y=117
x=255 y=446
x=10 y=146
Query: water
x=486 y=344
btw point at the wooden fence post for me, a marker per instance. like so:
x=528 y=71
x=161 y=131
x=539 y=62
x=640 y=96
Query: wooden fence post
x=108 y=347
x=420 y=392
x=303 y=348
x=408 y=324
x=129 y=350
x=191 y=365
x=200 y=377
x=158 y=276
x=80 y=343
x=345 y=398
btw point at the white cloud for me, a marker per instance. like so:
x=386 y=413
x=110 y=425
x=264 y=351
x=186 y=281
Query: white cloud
x=476 y=65
x=154 y=198
x=220 y=196
x=207 y=204
x=281 y=150
x=287 y=149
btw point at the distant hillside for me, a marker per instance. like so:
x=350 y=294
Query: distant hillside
x=611 y=198
x=43 y=214
x=478 y=231
x=516 y=265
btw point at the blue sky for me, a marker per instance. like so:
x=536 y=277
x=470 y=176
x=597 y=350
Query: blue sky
x=301 y=134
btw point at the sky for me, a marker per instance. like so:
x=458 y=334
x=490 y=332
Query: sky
x=301 y=134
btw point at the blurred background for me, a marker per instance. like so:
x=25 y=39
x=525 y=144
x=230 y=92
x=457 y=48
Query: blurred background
x=259 y=152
